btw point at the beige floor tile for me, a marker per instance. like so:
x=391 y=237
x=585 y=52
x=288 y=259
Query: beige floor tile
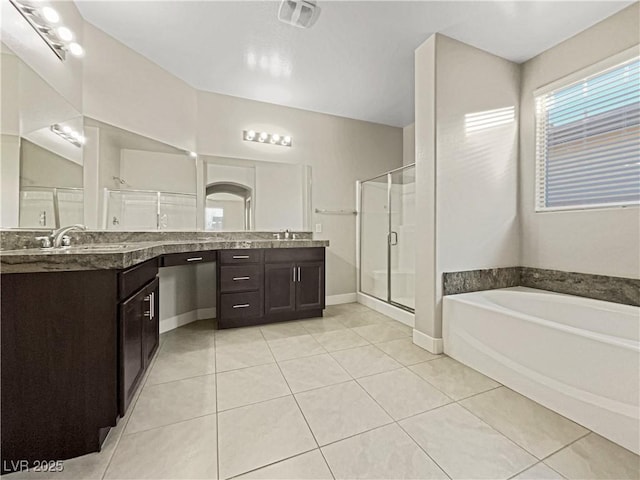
x=321 y=325
x=366 y=360
x=402 y=393
x=380 y=333
x=172 y=365
x=295 y=347
x=237 y=388
x=339 y=411
x=313 y=372
x=257 y=435
x=595 y=457
x=182 y=450
x=539 y=471
x=363 y=318
x=232 y=336
x=532 y=426
x=173 y=402
x=232 y=356
x=308 y=466
x=464 y=446
x=283 y=330
x=186 y=343
x=340 y=340
x=406 y=352
x=453 y=378
x=384 y=453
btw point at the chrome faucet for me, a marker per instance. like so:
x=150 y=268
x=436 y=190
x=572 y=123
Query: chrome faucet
x=59 y=237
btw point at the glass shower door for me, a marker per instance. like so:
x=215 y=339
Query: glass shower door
x=374 y=227
x=401 y=238
x=387 y=249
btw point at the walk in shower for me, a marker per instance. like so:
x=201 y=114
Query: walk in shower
x=386 y=237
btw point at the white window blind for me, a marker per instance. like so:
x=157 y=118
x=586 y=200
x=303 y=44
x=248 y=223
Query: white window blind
x=588 y=141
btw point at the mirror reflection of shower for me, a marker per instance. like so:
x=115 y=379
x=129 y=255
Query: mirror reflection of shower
x=228 y=206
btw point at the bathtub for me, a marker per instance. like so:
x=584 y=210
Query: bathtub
x=577 y=356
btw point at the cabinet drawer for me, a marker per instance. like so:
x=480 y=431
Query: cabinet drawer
x=135 y=278
x=241 y=305
x=277 y=255
x=241 y=277
x=240 y=256
x=188 y=258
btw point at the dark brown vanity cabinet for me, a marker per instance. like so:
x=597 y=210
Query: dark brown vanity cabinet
x=270 y=285
x=138 y=328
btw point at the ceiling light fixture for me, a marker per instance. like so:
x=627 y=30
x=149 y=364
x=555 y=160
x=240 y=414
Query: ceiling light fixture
x=70 y=135
x=41 y=20
x=264 y=137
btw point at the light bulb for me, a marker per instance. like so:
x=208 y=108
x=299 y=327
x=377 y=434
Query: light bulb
x=81 y=139
x=76 y=49
x=275 y=138
x=65 y=34
x=263 y=136
x=50 y=15
x=251 y=135
x=66 y=129
x=75 y=135
x=286 y=140
x=193 y=154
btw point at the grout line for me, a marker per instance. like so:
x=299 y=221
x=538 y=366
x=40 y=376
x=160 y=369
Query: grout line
x=272 y=463
x=215 y=369
x=300 y=409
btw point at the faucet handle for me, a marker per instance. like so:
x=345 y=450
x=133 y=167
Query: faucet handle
x=66 y=240
x=46 y=241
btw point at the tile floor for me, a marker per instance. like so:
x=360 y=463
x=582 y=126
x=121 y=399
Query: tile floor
x=346 y=396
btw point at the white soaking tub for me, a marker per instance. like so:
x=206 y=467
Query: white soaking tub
x=577 y=356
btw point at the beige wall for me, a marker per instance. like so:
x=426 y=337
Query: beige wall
x=470 y=178
x=339 y=151
x=409 y=144
x=603 y=241
x=42 y=168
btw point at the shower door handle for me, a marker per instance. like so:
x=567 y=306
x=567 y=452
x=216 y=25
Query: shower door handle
x=393 y=238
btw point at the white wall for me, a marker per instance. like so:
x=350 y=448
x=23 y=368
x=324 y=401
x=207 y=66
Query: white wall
x=471 y=179
x=604 y=241
x=10 y=139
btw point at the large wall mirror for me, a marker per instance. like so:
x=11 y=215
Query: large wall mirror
x=60 y=168
x=254 y=195
x=42 y=151
x=143 y=184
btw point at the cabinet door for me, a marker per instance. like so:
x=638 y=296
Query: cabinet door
x=310 y=285
x=131 y=347
x=280 y=292
x=150 y=323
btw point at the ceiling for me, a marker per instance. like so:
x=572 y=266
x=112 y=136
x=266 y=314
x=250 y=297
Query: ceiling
x=356 y=61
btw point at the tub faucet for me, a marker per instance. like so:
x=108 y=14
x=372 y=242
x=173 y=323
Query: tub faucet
x=59 y=237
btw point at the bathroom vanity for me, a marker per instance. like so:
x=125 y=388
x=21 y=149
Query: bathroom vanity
x=80 y=325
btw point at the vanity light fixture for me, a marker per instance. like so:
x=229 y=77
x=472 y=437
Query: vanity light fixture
x=69 y=134
x=42 y=19
x=264 y=137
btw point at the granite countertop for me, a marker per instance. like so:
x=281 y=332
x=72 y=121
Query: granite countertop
x=106 y=256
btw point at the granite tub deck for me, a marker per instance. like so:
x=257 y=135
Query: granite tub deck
x=119 y=250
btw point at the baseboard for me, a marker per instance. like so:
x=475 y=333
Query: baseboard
x=340 y=299
x=384 y=308
x=430 y=344
x=171 y=323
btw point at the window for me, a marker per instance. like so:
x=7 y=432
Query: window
x=588 y=141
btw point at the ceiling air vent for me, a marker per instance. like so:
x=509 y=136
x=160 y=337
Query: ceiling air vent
x=299 y=13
